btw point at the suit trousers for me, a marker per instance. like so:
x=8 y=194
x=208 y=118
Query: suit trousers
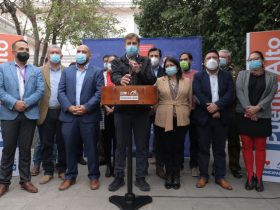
x=109 y=138
x=215 y=133
x=50 y=133
x=71 y=132
x=127 y=124
x=18 y=132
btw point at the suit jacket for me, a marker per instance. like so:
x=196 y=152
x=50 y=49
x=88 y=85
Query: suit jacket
x=90 y=94
x=44 y=102
x=161 y=72
x=9 y=91
x=182 y=103
x=242 y=93
x=203 y=95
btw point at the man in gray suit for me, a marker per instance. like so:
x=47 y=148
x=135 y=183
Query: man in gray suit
x=21 y=87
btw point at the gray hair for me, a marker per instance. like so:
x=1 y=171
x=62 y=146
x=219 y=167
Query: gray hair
x=226 y=51
x=53 y=47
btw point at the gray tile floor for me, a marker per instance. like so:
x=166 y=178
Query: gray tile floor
x=80 y=197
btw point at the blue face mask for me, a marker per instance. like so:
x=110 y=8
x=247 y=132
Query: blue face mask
x=131 y=50
x=170 y=71
x=223 y=62
x=255 y=64
x=81 y=58
x=55 y=58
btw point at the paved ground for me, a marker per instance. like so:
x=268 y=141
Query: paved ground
x=80 y=197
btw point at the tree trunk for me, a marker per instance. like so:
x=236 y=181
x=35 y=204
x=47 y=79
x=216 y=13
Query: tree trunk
x=45 y=48
x=33 y=21
x=10 y=7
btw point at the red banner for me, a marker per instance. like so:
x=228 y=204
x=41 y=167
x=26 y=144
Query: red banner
x=6 y=41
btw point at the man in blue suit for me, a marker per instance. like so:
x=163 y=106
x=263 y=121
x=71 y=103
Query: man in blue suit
x=79 y=94
x=21 y=87
x=214 y=93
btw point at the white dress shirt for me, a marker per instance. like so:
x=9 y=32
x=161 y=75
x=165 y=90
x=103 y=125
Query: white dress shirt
x=214 y=86
x=80 y=76
x=55 y=75
x=21 y=73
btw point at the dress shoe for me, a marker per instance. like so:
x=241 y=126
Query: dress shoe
x=224 y=184
x=236 y=174
x=250 y=183
x=61 y=176
x=35 y=171
x=66 y=184
x=29 y=187
x=116 y=184
x=82 y=161
x=176 y=183
x=94 y=184
x=142 y=184
x=45 y=179
x=109 y=170
x=3 y=189
x=259 y=185
x=195 y=172
x=201 y=182
x=168 y=182
x=160 y=172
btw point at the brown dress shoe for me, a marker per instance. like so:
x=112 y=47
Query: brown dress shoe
x=94 y=184
x=224 y=184
x=201 y=182
x=3 y=189
x=66 y=184
x=29 y=187
x=35 y=170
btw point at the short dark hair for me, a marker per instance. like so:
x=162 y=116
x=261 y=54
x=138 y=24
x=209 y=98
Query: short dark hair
x=105 y=56
x=258 y=52
x=155 y=49
x=177 y=64
x=132 y=35
x=186 y=53
x=211 y=51
x=14 y=44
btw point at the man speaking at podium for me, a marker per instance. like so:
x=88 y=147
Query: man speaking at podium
x=131 y=69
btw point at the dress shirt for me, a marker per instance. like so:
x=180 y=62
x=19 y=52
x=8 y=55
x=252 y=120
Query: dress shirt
x=55 y=75
x=80 y=76
x=214 y=86
x=21 y=73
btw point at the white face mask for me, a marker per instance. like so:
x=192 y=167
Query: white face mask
x=109 y=66
x=154 y=61
x=212 y=64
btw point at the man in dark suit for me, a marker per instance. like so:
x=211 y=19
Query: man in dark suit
x=21 y=88
x=79 y=95
x=154 y=55
x=214 y=93
x=131 y=69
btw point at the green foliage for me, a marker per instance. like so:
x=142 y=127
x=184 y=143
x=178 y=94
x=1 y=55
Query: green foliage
x=221 y=23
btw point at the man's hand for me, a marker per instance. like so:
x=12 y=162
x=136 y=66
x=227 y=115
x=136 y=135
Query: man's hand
x=252 y=110
x=212 y=107
x=73 y=109
x=136 y=67
x=216 y=115
x=81 y=110
x=254 y=117
x=109 y=110
x=20 y=106
x=125 y=79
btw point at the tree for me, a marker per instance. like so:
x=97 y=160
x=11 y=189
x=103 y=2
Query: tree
x=221 y=23
x=62 y=21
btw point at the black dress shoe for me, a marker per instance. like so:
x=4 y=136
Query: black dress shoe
x=176 y=183
x=116 y=184
x=250 y=183
x=109 y=171
x=82 y=161
x=236 y=174
x=168 y=182
x=259 y=185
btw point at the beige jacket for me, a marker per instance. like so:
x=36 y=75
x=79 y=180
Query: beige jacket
x=44 y=102
x=182 y=103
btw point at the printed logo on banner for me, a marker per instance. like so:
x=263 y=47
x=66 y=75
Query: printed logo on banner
x=144 y=49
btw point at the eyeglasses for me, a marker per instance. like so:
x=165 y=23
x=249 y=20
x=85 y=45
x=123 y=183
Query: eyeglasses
x=253 y=59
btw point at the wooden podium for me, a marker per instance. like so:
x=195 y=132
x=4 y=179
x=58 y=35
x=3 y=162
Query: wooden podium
x=129 y=95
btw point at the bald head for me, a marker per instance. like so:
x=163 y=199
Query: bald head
x=84 y=49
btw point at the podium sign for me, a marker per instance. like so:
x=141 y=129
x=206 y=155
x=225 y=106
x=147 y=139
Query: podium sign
x=129 y=95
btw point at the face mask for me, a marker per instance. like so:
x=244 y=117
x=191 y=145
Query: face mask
x=131 y=50
x=185 y=65
x=81 y=58
x=109 y=66
x=212 y=64
x=22 y=56
x=255 y=64
x=55 y=58
x=170 y=71
x=154 y=61
x=105 y=65
x=223 y=62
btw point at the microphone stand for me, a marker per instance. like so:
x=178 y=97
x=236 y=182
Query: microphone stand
x=129 y=201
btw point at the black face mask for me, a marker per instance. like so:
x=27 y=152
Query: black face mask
x=22 y=56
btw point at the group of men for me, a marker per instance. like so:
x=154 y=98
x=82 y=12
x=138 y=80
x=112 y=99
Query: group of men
x=65 y=104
